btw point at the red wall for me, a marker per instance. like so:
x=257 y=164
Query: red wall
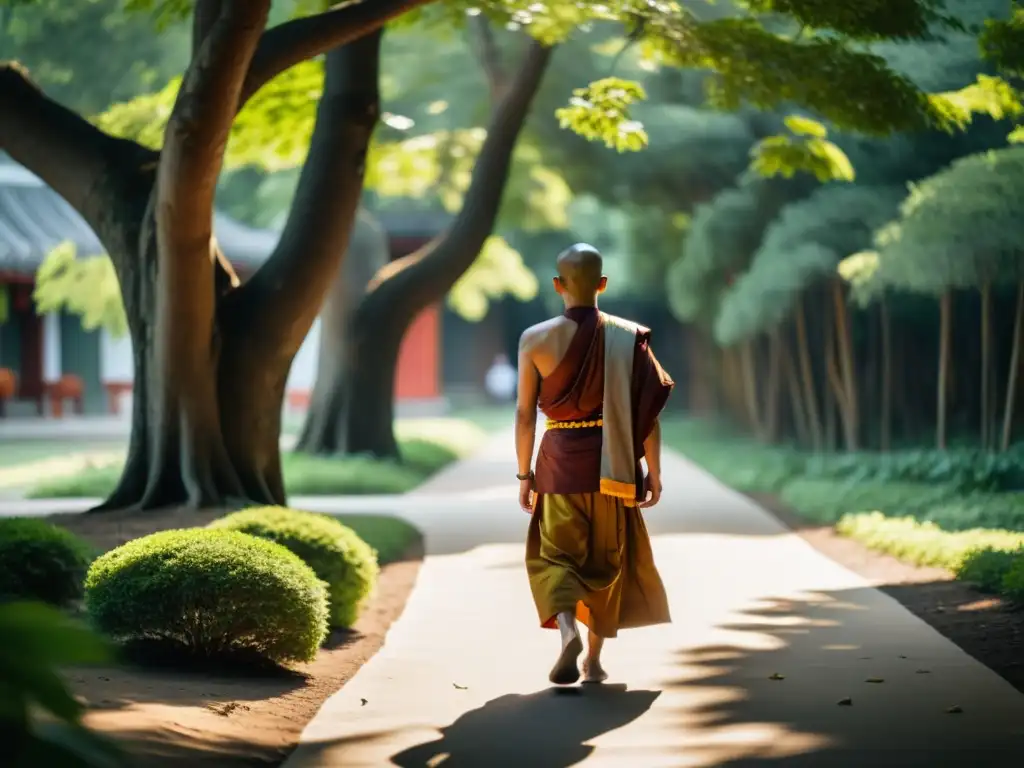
x=419 y=375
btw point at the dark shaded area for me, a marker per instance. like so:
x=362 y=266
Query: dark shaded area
x=988 y=627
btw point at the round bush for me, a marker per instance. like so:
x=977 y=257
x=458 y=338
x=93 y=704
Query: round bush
x=211 y=592
x=337 y=555
x=40 y=561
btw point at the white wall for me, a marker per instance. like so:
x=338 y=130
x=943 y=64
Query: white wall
x=116 y=363
x=51 y=348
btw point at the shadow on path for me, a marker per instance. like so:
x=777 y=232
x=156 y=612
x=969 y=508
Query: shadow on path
x=869 y=695
x=547 y=729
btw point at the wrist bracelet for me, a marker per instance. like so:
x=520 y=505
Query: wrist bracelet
x=527 y=476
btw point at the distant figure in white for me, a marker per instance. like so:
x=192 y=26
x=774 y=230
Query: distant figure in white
x=500 y=382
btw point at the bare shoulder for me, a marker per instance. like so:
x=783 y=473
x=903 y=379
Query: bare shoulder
x=536 y=335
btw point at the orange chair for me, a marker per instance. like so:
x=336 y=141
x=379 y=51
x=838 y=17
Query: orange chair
x=68 y=387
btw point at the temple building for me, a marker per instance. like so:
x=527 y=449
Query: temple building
x=51 y=366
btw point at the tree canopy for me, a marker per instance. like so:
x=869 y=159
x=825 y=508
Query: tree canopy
x=957 y=229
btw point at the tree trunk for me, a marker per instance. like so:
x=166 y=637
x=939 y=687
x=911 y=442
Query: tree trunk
x=368 y=253
x=846 y=381
x=945 y=343
x=211 y=359
x=408 y=286
x=987 y=406
x=229 y=392
x=796 y=398
x=1013 y=374
x=774 y=388
x=810 y=397
x=749 y=373
x=885 y=415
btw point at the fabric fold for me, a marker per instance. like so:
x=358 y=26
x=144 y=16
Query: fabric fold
x=618 y=462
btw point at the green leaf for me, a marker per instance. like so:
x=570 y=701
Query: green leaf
x=498 y=271
x=87 y=287
x=805 y=126
x=601 y=112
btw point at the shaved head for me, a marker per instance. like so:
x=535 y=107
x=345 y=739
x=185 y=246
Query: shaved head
x=580 y=271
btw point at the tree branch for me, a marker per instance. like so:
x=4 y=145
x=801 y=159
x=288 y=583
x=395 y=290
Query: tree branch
x=284 y=297
x=197 y=131
x=488 y=53
x=69 y=153
x=292 y=42
x=431 y=271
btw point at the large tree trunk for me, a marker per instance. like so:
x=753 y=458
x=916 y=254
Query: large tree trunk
x=368 y=252
x=945 y=344
x=206 y=425
x=1014 y=372
x=211 y=358
x=406 y=287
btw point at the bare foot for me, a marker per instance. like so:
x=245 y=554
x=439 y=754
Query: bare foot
x=593 y=672
x=566 y=670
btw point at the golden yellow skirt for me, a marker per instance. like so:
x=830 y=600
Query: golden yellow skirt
x=589 y=553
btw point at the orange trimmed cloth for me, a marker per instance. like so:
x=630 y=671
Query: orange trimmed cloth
x=618 y=462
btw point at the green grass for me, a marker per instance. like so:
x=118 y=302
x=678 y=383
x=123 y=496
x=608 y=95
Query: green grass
x=427 y=445
x=390 y=536
x=962 y=510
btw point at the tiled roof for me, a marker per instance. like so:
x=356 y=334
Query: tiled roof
x=34 y=219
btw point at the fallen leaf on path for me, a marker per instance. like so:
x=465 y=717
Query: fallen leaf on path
x=777 y=676
x=364 y=702
x=924 y=671
x=875 y=680
x=460 y=687
x=847 y=702
x=955 y=710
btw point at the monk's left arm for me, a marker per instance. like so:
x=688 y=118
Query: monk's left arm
x=526 y=407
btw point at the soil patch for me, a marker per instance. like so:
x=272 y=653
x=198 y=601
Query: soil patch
x=171 y=715
x=988 y=628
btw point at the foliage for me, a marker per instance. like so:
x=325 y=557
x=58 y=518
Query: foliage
x=497 y=271
x=37 y=641
x=925 y=543
x=987 y=568
x=210 y=592
x=1013 y=581
x=805 y=148
x=335 y=553
x=89 y=55
x=802 y=246
x=957 y=229
x=40 y=561
x=600 y=111
x=426 y=445
x=87 y=287
x=391 y=537
x=723 y=237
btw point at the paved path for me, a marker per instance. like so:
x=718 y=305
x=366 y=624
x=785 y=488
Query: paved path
x=461 y=680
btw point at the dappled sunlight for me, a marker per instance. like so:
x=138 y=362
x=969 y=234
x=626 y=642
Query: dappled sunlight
x=29 y=473
x=793 y=681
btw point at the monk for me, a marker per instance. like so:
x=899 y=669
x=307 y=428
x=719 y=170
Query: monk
x=588 y=554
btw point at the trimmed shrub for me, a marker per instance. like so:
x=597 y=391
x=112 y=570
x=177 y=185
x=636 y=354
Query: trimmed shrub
x=986 y=568
x=40 y=561
x=1013 y=581
x=210 y=592
x=337 y=555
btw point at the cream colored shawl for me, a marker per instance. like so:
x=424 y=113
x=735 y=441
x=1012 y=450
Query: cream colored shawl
x=618 y=462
